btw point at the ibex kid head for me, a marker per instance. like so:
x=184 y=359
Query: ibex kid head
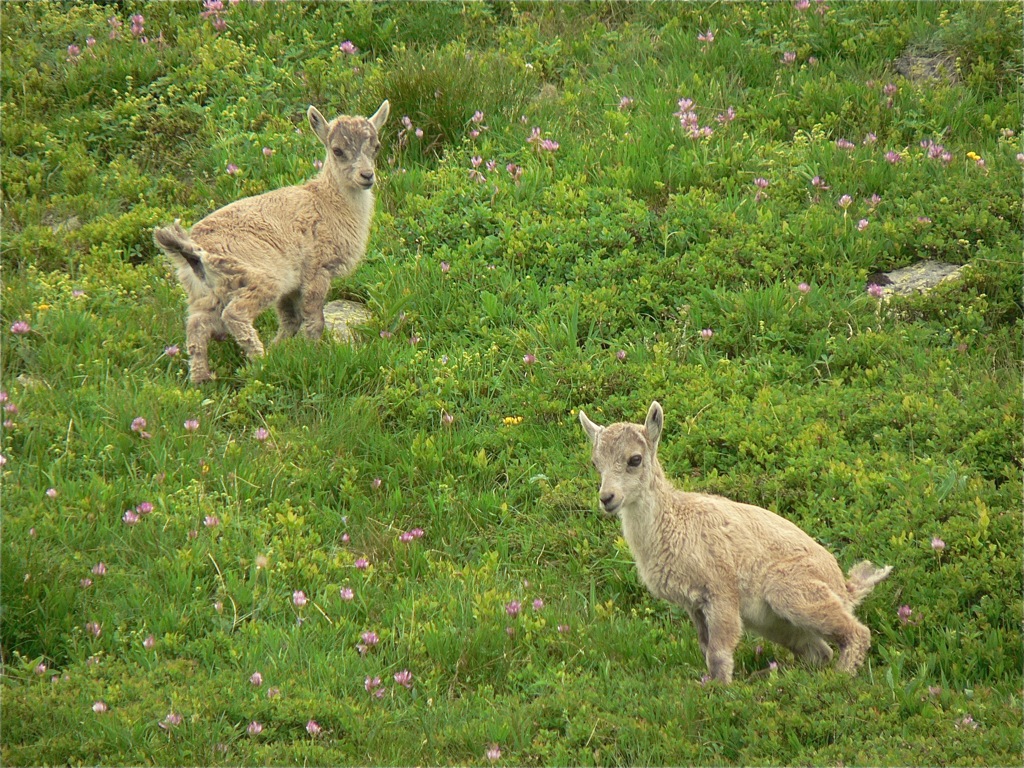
x=352 y=144
x=626 y=456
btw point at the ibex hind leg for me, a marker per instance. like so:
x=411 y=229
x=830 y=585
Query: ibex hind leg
x=805 y=643
x=816 y=609
x=203 y=323
x=239 y=314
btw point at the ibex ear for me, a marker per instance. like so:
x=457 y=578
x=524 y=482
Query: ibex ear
x=380 y=116
x=592 y=429
x=317 y=123
x=655 y=421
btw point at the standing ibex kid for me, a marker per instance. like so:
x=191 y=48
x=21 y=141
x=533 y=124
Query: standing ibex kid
x=280 y=248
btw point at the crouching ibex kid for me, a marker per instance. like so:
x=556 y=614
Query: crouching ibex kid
x=282 y=247
x=728 y=564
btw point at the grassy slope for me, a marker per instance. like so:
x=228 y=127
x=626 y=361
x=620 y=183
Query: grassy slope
x=874 y=428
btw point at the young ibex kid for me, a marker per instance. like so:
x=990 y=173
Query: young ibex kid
x=280 y=248
x=728 y=564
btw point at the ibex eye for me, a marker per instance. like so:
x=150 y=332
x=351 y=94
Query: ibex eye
x=338 y=152
x=635 y=460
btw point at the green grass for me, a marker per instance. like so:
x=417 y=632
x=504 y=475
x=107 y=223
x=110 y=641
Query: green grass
x=875 y=427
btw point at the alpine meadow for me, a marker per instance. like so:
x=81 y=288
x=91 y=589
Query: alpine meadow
x=390 y=549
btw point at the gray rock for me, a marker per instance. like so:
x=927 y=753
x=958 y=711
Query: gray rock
x=920 y=65
x=31 y=382
x=917 y=278
x=341 y=315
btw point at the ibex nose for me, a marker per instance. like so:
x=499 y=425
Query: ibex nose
x=608 y=501
x=367 y=177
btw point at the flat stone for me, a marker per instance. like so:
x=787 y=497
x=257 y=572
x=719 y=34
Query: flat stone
x=30 y=382
x=917 y=278
x=341 y=315
x=924 y=66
